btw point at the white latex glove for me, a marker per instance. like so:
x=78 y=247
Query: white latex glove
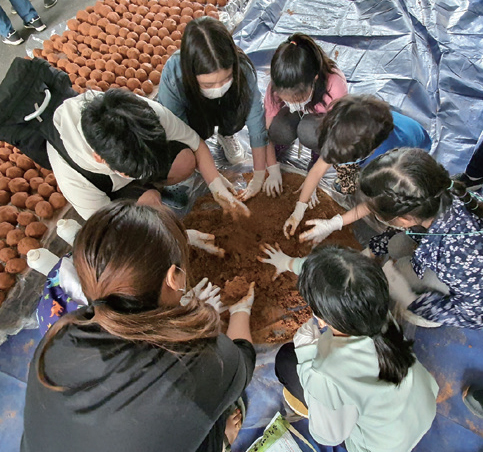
x=307 y=334
x=221 y=188
x=314 y=200
x=254 y=186
x=277 y=258
x=294 y=220
x=205 y=292
x=399 y=289
x=245 y=304
x=273 y=184
x=204 y=242
x=321 y=229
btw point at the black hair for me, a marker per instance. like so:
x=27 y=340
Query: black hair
x=125 y=131
x=206 y=47
x=349 y=292
x=408 y=181
x=296 y=63
x=353 y=128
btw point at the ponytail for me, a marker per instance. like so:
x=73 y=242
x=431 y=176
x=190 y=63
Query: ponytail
x=295 y=65
x=394 y=353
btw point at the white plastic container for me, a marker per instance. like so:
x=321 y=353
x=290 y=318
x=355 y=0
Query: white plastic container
x=42 y=260
x=67 y=230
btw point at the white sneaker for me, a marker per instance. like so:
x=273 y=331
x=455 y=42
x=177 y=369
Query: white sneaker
x=232 y=148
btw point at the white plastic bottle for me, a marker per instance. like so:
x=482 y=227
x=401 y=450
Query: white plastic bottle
x=67 y=230
x=42 y=260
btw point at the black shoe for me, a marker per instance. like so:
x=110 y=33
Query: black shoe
x=49 y=3
x=473 y=399
x=36 y=23
x=471 y=184
x=13 y=39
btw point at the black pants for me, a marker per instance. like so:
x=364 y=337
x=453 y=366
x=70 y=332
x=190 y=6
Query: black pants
x=475 y=166
x=286 y=127
x=286 y=371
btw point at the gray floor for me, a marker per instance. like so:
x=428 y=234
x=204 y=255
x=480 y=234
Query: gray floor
x=63 y=10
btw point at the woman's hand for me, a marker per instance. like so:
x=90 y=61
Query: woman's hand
x=277 y=258
x=254 y=186
x=246 y=303
x=204 y=242
x=223 y=193
x=294 y=220
x=321 y=229
x=273 y=185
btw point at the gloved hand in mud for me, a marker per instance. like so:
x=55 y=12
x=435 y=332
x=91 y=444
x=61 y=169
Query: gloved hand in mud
x=321 y=229
x=273 y=185
x=254 y=186
x=205 y=292
x=313 y=201
x=277 y=258
x=294 y=220
x=245 y=304
x=223 y=193
x=204 y=242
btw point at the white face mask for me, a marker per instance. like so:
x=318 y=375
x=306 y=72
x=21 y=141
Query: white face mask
x=216 y=93
x=299 y=106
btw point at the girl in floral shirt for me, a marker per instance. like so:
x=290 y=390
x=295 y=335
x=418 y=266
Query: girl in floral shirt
x=407 y=189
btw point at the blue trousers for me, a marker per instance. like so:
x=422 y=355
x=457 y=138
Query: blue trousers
x=24 y=9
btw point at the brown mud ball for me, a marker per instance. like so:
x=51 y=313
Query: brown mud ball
x=5 y=228
x=27 y=244
x=8 y=214
x=25 y=162
x=3 y=244
x=14 y=172
x=32 y=201
x=5 y=166
x=35 y=229
x=4 y=197
x=279 y=309
x=4 y=153
x=45 y=190
x=147 y=86
x=57 y=201
x=29 y=174
x=44 y=210
x=234 y=290
x=18 y=184
x=25 y=218
x=14 y=236
x=19 y=199
x=35 y=182
x=8 y=253
x=16 y=265
x=6 y=281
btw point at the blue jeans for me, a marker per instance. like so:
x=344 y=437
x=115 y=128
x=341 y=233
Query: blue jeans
x=24 y=9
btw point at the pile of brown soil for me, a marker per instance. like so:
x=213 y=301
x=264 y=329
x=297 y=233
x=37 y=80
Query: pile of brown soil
x=278 y=310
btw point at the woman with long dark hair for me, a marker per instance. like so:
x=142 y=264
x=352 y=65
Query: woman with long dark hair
x=359 y=380
x=212 y=83
x=143 y=366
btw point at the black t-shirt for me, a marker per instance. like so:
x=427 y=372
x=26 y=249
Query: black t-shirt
x=131 y=397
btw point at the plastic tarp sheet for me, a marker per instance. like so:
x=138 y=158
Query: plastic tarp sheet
x=422 y=57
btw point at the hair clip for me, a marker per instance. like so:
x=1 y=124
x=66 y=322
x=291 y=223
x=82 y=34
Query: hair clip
x=293 y=42
x=451 y=185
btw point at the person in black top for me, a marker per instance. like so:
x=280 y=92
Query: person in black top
x=143 y=367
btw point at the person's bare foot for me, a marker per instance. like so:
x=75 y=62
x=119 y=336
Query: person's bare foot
x=233 y=425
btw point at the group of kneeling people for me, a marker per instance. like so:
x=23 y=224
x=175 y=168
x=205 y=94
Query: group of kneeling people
x=144 y=365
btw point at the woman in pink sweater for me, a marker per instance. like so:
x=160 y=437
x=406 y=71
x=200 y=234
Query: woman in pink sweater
x=304 y=81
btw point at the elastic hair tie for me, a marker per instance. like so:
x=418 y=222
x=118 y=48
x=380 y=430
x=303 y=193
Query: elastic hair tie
x=293 y=42
x=451 y=185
